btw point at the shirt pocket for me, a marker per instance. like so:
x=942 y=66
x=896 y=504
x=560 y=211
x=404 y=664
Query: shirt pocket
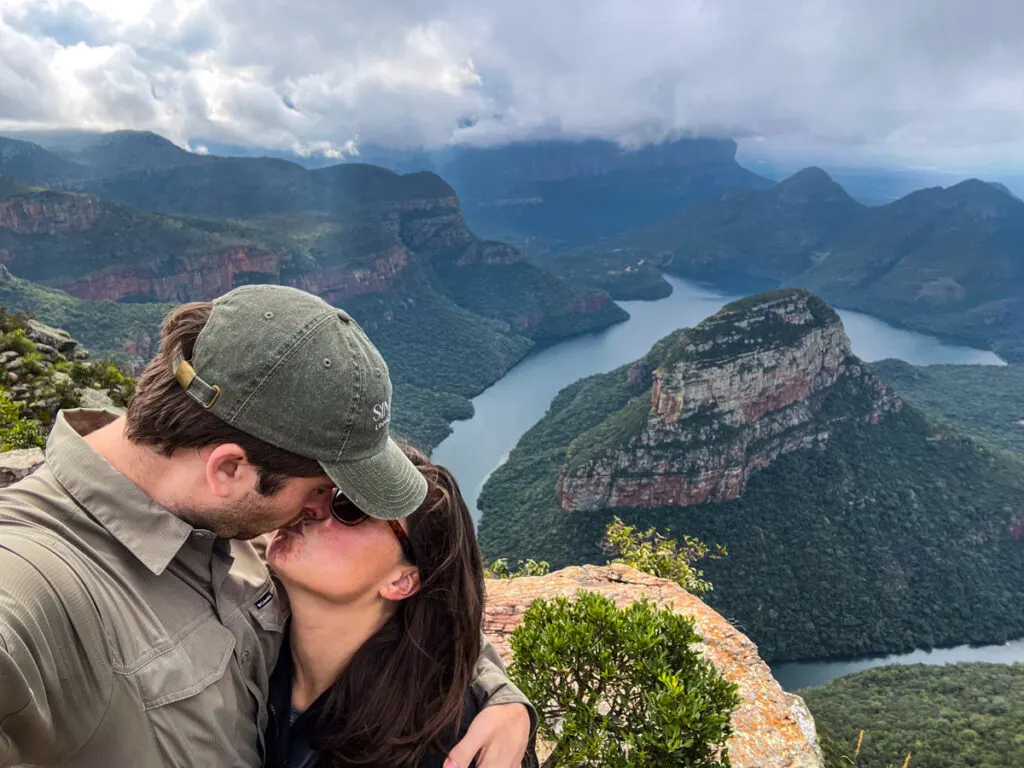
x=194 y=663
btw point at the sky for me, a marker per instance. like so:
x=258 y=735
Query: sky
x=922 y=84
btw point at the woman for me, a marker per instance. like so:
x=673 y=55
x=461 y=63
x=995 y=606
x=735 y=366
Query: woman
x=384 y=635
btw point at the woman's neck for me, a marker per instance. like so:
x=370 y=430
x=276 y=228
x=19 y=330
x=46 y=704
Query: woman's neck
x=324 y=637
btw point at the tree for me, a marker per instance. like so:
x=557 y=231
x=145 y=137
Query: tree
x=655 y=553
x=618 y=688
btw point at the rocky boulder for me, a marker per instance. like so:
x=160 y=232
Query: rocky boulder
x=772 y=728
x=15 y=465
x=56 y=338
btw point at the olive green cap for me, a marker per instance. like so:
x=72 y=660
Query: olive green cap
x=286 y=367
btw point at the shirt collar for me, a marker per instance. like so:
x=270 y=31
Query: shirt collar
x=149 y=531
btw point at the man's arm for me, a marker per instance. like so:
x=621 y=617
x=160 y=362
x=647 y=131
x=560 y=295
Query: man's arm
x=502 y=735
x=55 y=676
x=491 y=685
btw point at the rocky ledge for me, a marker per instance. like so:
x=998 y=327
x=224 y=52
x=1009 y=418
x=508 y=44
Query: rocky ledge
x=772 y=728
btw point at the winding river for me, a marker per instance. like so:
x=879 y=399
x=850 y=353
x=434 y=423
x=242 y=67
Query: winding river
x=504 y=412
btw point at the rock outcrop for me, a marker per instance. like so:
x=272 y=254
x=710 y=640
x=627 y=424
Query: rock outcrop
x=50 y=214
x=42 y=370
x=19 y=464
x=741 y=389
x=772 y=728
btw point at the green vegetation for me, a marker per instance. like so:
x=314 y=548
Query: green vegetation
x=618 y=688
x=17 y=431
x=500 y=569
x=126 y=332
x=892 y=536
x=518 y=292
x=954 y=716
x=984 y=401
x=655 y=553
x=625 y=276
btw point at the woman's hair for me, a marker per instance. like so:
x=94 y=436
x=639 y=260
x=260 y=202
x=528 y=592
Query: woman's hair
x=403 y=690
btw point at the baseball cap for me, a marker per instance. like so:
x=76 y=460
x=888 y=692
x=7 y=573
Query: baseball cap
x=285 y=366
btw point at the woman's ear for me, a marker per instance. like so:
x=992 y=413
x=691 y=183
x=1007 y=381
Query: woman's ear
x=402 y=583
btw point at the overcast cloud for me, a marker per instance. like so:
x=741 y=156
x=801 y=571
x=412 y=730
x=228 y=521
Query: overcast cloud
x=923 y=82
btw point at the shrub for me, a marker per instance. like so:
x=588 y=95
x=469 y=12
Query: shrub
x=655 y=553
x=17 y=340
x=16 y=432
x=499 y=569
x=621 y=687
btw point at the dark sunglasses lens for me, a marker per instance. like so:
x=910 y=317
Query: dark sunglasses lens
x=343 y=509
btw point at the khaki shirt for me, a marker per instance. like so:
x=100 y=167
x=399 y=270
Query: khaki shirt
x=127 y=637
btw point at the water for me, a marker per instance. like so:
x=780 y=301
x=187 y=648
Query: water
x=799 y=674
x=504 y=412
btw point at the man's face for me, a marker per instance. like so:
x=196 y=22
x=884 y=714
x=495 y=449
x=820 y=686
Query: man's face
x=254 y=514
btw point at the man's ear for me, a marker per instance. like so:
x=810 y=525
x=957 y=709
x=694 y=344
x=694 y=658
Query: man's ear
x=402 y=583
x=228 y=471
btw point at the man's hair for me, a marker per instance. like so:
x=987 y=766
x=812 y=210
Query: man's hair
x=163 y=417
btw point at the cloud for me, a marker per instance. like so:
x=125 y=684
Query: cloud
x=861 y=81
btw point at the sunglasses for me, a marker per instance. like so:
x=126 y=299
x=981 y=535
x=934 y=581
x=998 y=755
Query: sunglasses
x=347 y=513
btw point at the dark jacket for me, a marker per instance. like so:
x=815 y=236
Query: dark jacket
x=280 y=736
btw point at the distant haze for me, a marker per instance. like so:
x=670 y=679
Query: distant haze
x=930 y=84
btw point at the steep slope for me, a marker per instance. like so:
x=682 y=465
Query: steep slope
x=951 y=716
x=944 y=261
x=854 y=525
x=985 y=402
x=31 y=163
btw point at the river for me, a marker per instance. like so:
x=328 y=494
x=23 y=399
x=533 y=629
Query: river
x=506 y=410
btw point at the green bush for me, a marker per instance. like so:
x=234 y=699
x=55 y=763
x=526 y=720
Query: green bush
x=655 y=553
x=621 y=687
x=499 y=569
x=17 y=340
x=17 y=432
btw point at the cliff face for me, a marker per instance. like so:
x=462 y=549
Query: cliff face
x=409 y=239
x=208 y=275
x=49 y=214
x=772 y=728
x=743 y=388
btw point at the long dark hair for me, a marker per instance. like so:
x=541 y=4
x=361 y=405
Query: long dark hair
x=402 y=692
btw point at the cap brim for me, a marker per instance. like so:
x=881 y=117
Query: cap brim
x=386 y=486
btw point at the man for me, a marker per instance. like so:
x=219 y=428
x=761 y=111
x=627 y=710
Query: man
x=132 y=632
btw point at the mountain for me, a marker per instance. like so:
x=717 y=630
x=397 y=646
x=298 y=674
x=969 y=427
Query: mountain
x=941 y=260
x=393 y=250
x=950 y=716
x=31 y=163
x=854 y=525
x=549 y=194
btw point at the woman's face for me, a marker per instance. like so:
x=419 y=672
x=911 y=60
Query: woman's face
x=337 y=562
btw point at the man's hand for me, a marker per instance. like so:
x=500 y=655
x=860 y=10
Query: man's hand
x=497 y=738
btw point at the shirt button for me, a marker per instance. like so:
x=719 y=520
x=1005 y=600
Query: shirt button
x=245 y=656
